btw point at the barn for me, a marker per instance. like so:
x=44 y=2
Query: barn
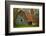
x=27 y=17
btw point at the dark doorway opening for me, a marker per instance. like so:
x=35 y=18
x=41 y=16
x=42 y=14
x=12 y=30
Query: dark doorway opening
x=30 y=23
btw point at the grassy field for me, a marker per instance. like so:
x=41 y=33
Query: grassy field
x=25 y=25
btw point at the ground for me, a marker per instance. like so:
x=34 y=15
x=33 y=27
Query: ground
x=24 y=25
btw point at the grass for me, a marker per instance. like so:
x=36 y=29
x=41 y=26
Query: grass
x=25 y=25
